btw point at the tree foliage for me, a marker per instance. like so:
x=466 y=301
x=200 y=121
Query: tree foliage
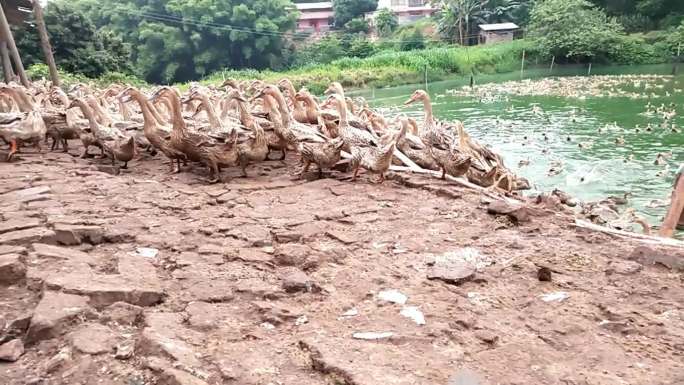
x=356 y=26
x=77 y=46
x=574 y=29
x=345 y=10
x=180 y=40
x=386 y=22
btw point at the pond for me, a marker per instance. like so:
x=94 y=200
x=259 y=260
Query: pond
x=579 y=136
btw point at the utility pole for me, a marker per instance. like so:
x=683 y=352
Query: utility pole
x=7 y=34
x=45 y=42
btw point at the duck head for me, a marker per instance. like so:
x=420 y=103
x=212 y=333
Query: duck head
x=417 y=95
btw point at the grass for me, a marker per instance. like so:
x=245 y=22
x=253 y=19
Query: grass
x=392 y=68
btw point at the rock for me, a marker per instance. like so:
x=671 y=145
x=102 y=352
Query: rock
x=9 y=249
x=22 y=237
x=122 y=313
x=451 y=270
x=516 y=211
x=343 y=237
x=291 y=254
x=544 y=274
x=108 y=169
x=170 y=376
x=287 y=236
x=12 y=269
x=202 y=315
x=124 y=351
x=295 y=280
x=18 y=224
x=623 y=267
x=11 y=351
x=275 y=313
x=257 y=288
x=58 y=360
x=57 y=252
x=208 y=290
x=163 y=337
x=414 y=314
x=137 y=283
x=27 y=195
x=15 y=328
x=393 y=296
x=210 y=248
x=93 y=339
x=77 y=234
x=671 y=258
x=229 y=371
x=372 y=336
x=486 y=336
x=53 y=313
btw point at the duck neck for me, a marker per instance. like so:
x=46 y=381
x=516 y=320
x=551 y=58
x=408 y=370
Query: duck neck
x=296 y=104
x=145 y=107
x=282 y=106
x=176 y=114
x=427 y=106
x=211 y=112
x=125 y=111
x=88 y=113
x=342 y=110
x=21 y=99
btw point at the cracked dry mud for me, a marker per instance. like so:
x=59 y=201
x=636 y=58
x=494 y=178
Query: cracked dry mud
x=265 y=280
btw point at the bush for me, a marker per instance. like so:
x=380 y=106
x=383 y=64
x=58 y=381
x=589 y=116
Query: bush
x=411 y=39
x=635 y=50
x=357 y=25
x=386 y=22
x=361 y=48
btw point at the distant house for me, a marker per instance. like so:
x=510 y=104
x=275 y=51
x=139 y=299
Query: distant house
x=493 y=33
x=315 y=17
x=407 y=10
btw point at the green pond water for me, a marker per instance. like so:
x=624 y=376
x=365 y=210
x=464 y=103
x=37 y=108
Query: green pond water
x=588 y=174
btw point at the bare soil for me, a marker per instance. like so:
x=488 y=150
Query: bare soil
x=266 y=280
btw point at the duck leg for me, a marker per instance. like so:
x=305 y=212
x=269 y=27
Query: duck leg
x=243 y=164
x=215 y=172
x=125 y=165
x=356 y=174
x=443 y=173
x=305 y=169
x=284 y=150
x=320 y=172
x=13 y=149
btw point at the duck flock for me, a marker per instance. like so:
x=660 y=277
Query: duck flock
x=240 y=123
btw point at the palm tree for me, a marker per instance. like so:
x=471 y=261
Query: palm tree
x=456 y=15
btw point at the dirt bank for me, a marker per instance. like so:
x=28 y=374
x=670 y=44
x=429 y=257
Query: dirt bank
x=147 y=278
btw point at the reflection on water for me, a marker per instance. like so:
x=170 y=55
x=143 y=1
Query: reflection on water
x=520 y=132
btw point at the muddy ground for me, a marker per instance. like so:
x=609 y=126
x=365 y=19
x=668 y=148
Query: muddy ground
x=155 y=278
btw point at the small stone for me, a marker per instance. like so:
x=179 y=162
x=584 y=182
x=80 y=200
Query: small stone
x=93 y=339
x=18 y=224
x=544 y=274
x=486 y=336
x=287 y=236
x=77 y=234
x=109 y=169
x=12 y=269
x=122 y=313
x=22 y=237
x=58 y=360
x=11 y=351
x=295 y=280
x=453 y=271
x=10 y=249
x=53 y=312
x=15 y=328
x=371 y=336
x=393 y=296
x=516 y=211
x=345 y=238
x=623 y=267
x=202 y=315
x=124 y=351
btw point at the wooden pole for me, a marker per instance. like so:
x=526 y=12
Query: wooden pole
x=553 y=61
x=522 y=66
x=589 y=70
x=45 y=42
x=426 y=78
x=6 y=61
x=7 y=33
x=674 y=214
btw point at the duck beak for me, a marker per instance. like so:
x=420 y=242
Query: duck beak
x=329 y=90
x=409 y=101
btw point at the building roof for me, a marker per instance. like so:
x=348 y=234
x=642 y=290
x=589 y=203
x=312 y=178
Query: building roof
x=16 y=10
x=312 y=6
x=498 y=27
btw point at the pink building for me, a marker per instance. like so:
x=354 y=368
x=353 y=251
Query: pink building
x=315 y=17
x=407 y=10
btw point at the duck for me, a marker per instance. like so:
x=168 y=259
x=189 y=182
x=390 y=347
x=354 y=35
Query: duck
x=110 y=140
x=324 y=155
x=199 y=147
x=157 y=134
x=25 y=127
x=617 y=200
x=524 y=162
x=430 y=133
x=674 y=129
x=585 y=145
x=620 y=141
x=451 y=161
x=376 y=160
x=628 y=159
x=660 y=160
x=299 y=113
x=352 y=136
x=256 y=148
x=664 y=172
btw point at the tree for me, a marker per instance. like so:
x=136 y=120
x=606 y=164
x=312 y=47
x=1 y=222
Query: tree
x=181 y=40
x=78 y=47
x=410 y=39
x=361 y=47
x=455 y=16
x=345 y=10
x=386 y=22
x=503 y=11
x=574 y=29
x=356 y=26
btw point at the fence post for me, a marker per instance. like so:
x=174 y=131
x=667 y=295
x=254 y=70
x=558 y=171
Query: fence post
x=522 y=66
x=426 y=78
x=553 y=61
x=675 y=66
x=589 y=70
